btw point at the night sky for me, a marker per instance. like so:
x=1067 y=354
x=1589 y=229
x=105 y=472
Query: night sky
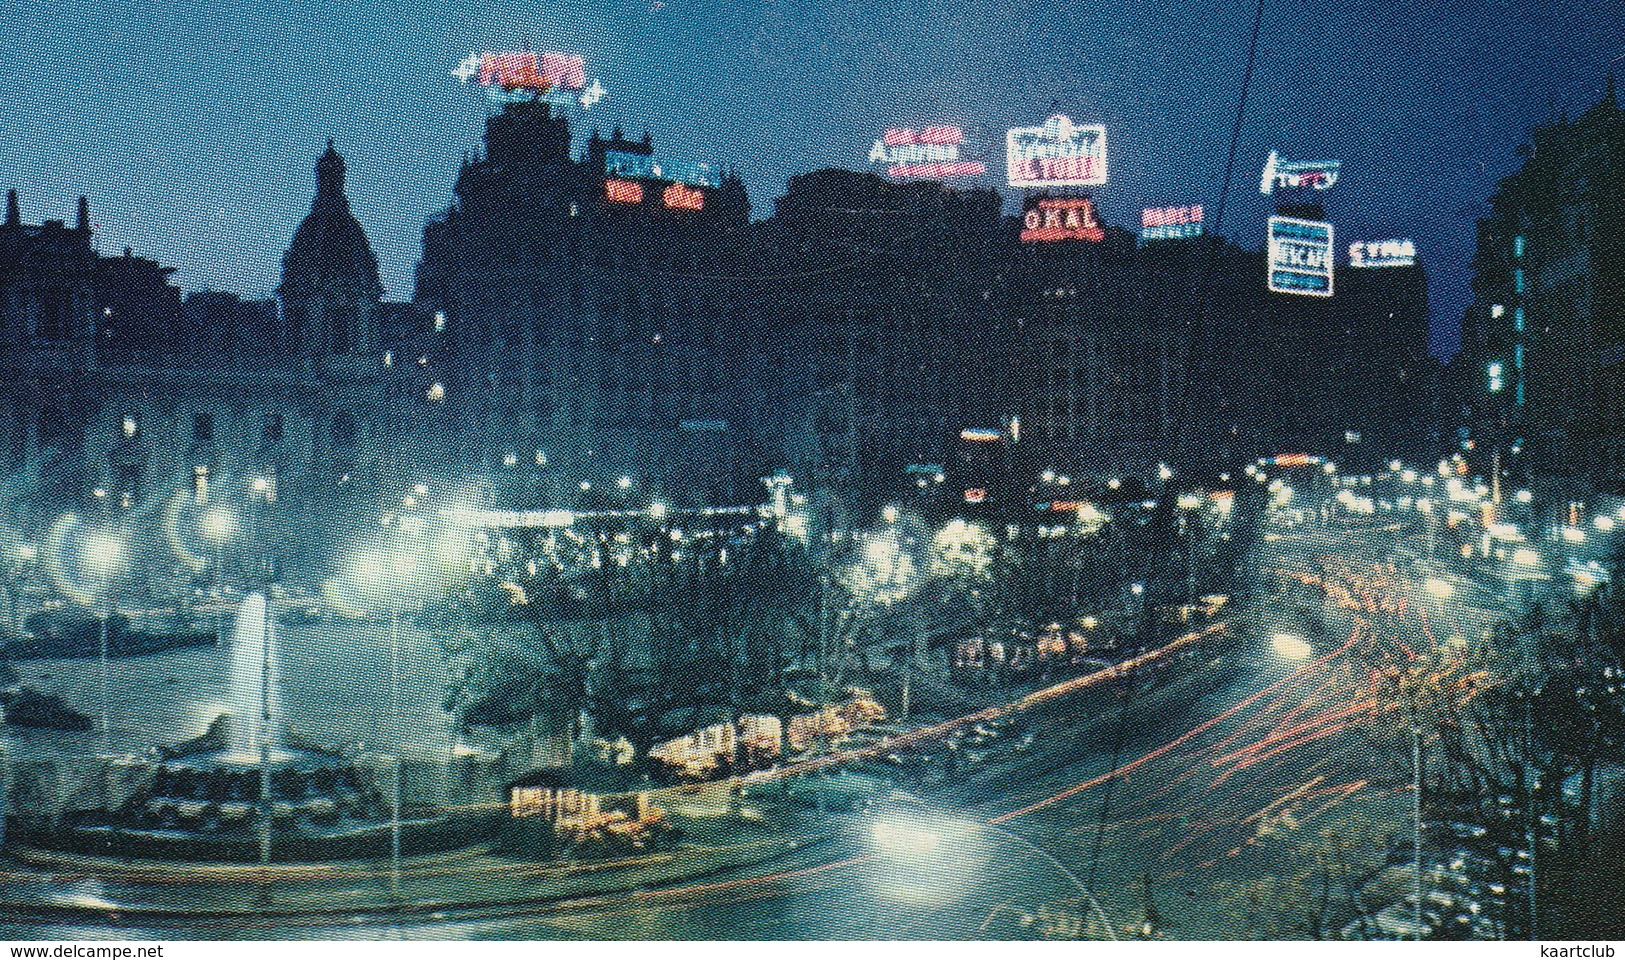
x=193 y=125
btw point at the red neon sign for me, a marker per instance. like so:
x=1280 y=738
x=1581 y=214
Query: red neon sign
x=938 y=170
x=682 y=197
x=1065 y=218
x=524 y=70
x=975 y=495
x=623 y=191
x=898 y=136
x=1170 y=216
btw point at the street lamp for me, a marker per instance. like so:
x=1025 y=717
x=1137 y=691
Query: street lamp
x=389 y=571
x=218 y=526
x=103 y=555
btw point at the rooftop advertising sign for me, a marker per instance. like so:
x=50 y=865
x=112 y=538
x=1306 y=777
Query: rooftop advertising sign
x=1307 y=174
x=1382 y=253
x=1170 y=223
x=1060 y=218
x=637 y=166
x=516 y=75
x=1300 y=256
x=931 y=153
x=1058 y=154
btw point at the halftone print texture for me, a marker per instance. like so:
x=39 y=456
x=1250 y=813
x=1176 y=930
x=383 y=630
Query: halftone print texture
x=687 y=470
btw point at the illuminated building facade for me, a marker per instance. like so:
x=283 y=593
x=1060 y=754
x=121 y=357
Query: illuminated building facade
x=1542 y=367
x=584 y=304
x=122 y=396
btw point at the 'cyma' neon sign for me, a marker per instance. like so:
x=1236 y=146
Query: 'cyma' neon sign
x=1382 y=253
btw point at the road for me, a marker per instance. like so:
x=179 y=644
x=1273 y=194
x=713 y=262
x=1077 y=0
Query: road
x=1243 y=792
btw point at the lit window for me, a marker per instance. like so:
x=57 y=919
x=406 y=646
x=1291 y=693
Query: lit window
x=130 y=426
x=1517 y=319
x=436 y=391
x=1517 y=246
x=1517 y=355
x=1496 y=310
x=440 y=318
x=1517 y=280
x=389 y=358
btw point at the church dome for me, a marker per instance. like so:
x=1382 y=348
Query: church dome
x=330 y=248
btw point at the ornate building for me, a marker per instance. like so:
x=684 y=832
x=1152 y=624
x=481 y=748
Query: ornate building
x=116 y=399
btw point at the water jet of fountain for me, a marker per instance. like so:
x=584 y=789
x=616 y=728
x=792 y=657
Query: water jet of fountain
x=255 y=731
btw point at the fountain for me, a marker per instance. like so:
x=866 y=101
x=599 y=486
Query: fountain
x=248 y=790
x=255 y=732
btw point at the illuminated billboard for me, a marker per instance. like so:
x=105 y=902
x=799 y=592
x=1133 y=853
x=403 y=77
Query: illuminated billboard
x=1170 y=223
x=680 y=196
x=516 y=75
x=980 y=434
x=1307 y=174
x=1060 y=218
x=1058 y=154
x=1382 y=253
x=637 y=166
x=931 y=153
x=623 y=191
x=1300 y=256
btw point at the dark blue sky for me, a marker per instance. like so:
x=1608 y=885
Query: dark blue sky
x=193 y=124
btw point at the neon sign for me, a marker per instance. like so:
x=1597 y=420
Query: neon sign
x=1058 y=154
x=520 y=75
x=1382 y=253
x=1061 y=218
x=636 y=165
x=682 y=197
x=1170 y=223
x=1300 y=256
x=933 y=153
x=623 y=191
x=980 y=434
x=1280 y=175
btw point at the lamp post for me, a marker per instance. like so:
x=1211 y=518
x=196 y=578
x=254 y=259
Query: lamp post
x=103 y=554
x=389 y=571
x=218 y=525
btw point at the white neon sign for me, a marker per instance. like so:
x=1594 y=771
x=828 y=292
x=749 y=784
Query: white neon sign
x=1281 y=175
x=1058 y=154
x=1382 y=253
x=1300 y=256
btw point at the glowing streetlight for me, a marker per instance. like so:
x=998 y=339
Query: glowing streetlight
x=1604 y=523
x=889 y=513
x=625 y=483
x=1439 y=589
x=657 y=510
x=1291 y=646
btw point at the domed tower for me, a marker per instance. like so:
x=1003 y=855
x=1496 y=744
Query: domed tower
x=330 y=281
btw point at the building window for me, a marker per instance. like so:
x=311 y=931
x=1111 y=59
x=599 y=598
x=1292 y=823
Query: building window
x=1517 y=280
x=202 y=427
x=1496 y=310
x=130 y=426
x=1517 y=355
x=1517 y=319
x=1517 y=246
x=439 y=321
